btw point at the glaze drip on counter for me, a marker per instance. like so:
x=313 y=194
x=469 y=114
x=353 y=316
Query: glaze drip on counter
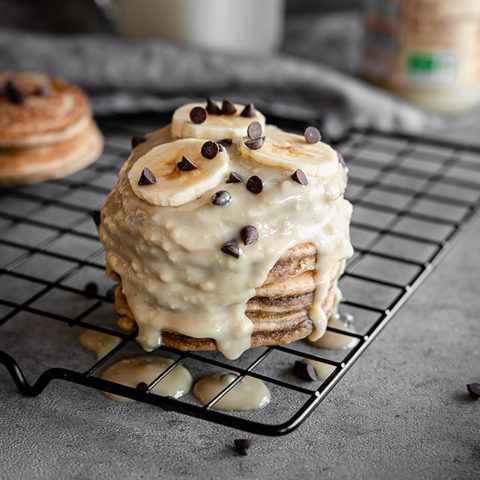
x=174 y=274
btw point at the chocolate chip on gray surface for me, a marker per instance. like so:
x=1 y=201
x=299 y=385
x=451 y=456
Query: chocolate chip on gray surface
x=254 y=130
x=474 y=390
x=96 y=217
x=299 y=177
x=249 y=111
x=231 y=248
x=142 y=386
x=254 y=184
x=91 y=288
x=255 y=143
x=147 y=177
x=305 y=371
x=228 y=108
x=210 y=149
x=13 y=93
x=221 y=198
x=137 y=140
x=242 y=445
x=234 y=177
x=226 y=142
x=198 y=114
x=249 y=234
x=341 y=159
x=212 y=107
x=312 y=135
x=186 y=165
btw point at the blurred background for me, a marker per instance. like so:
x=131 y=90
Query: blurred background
x=409 y=65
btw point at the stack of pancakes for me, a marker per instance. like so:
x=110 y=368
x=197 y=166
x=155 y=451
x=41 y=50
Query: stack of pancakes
x=46 y=128
x=278 y=311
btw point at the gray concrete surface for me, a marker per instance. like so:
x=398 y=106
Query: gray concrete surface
x=401 y=412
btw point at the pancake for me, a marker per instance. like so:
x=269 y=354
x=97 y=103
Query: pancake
x=278 y=311
x=52 y=110
x=18 y=166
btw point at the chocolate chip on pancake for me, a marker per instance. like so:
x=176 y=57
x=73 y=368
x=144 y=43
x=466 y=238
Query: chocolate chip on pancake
x=95 y=214
x=312 y=135
x=212 y=107
x=198 y=115
x=226 y=142
x=186 y=165
x=147 y=177
x=249 y=234
x=228 y=108
x=221 y=198
x=254 y=130
x=474 y=390
x=234 y=177
x=231 y=248
x=299 y=177
x=137 y=140
x=210 y=149
x=305 y=371
x=13 y=93
x=43 y=90
x=242 y=445
x=255 y=143
x=254 y=184
x=249 y=111
x=341 y=160
x=91 y=288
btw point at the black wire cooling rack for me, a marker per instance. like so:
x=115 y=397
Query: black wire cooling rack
x=412 y=197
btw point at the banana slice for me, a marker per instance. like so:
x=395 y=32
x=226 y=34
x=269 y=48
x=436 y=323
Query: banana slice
x=216 y=126
x=171 y=186
x=291 y=151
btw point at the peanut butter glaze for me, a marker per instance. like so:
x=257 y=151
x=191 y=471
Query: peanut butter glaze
x=175 y=276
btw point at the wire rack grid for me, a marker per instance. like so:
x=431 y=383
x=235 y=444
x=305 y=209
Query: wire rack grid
x=412 y=197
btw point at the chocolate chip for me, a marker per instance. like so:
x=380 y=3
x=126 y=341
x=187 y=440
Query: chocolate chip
x=255 y=143
x=226 y=142
x=234 y=177
x=212 y=107
x=111 y=293
x=186 y=165
x=249 y=111
x=305 y=371
x=254 y=184
x=249 y=234
x=43 y=90
x=242 y=445
x=137 y=140
x=91 y=288
x=96 y=217
x=142 y=386
x=299 y=177
x=231 y=248
x=228 y=108
x=312 y=135
x=13 y=93
x=221 y=148
x=210 y=149
x=198 y=115
x=221 y=198
x=254 y=130
x=147 y=177
x=474 y=390
x=341 y=159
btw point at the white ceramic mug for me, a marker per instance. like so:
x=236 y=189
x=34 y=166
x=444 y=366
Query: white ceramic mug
x=241 y=26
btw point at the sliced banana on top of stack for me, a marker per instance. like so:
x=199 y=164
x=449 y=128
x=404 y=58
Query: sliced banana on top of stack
x=291 y=151
x=214 y=121
x=178 y=172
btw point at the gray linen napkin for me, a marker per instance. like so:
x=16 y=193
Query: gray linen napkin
x=130 y=76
